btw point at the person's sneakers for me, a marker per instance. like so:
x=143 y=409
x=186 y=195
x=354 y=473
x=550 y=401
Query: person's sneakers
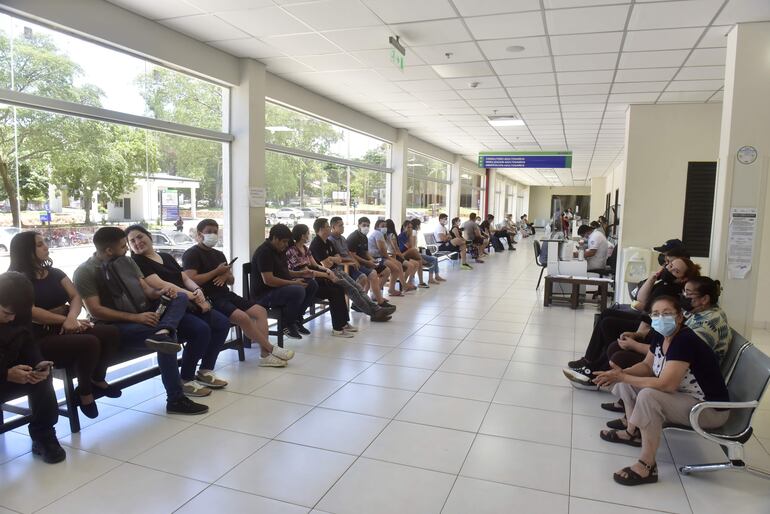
x=271 y=361
x=195 y=390
x=341 y=333
x=49 y=449
x=423 y=285
x=210 y=380
x=579 y=364
x=283 y=353
x=184 y=405
x=291 y=331
x=380 y=314
x=356 y=309
x=163 y=343
x=302 y=330
x=580 y=380
x=466 y=266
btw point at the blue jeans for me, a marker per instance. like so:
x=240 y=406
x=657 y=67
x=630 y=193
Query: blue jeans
x=134 y=334
x=288 y=298
x=204 y=333
x=432 y=263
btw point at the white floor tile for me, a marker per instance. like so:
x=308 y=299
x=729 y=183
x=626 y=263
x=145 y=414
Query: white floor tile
x=129 y=489
x=461 y=386
x=491 y=336
x=585 y=436
x=334 y=430
x=325 y=367
x=482 y=497
x=257 y=416
x=281 y=471
x=541 y=356
x=443 y=332
x=536 y=373
x=398 y=377
x=136 y=394
x=376 y=487
x=583 y=506
x=536 y=396
x=508 y=327
x=125 y=435
x=220 y=451
x=668 y=494
x=527 y=424
x=439 y=449
x=547 y=342
x=216 y=401
x=246 y=377
x=299 y=389
x=221 y=499
x=13 y=445
x=485 y=350
x=453 y=321
x=725 y=491
x=28 y=484
x=589 y=403
x=443 y=411
x=413 y=358
x=431 y=344
x=492 y=368
x=371 y=400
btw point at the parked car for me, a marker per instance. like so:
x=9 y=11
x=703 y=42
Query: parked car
x=308 y=212
x=410 y=215
x=175 y=243
x=6 y=234
x=288 y=213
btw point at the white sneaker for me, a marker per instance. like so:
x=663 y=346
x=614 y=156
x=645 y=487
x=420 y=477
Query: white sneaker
x=210 y=380
x=271 y=361
x=349 y=328
x=195 y=389
x=341 y=333
x=283 y=353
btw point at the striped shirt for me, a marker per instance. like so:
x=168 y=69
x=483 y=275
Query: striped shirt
x=711 y=325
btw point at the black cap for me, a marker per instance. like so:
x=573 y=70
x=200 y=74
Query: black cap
x=669 y=245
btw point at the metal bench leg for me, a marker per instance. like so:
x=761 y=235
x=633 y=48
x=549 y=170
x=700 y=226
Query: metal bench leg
x=70 y=401
x=542 y=269
x=240 y=336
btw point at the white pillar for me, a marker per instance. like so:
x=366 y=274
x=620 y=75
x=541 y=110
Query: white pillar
x=745 y=122
x=193 y=203
x=454 y=187
x=598 y=196
x=398 y=178
x=247 y=158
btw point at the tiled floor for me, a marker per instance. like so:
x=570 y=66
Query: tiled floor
x=456 y=406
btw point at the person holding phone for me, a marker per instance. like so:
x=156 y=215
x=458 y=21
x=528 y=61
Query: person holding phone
x=23 y=371
x=201 y=322
x=63 y=337
x=209 y=269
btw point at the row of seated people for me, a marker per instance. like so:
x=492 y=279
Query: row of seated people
x=660 y=357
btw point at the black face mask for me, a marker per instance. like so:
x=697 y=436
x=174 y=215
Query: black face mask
x=667 y=277
x=661 y=259
x=686 y=303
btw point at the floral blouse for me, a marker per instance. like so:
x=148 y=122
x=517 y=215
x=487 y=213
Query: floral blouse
x=297 y=258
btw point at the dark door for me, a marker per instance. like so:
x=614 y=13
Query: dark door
x=126 y=208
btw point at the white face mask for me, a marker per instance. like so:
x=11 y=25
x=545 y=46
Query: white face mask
x=364 y=230
x=383 y=230
x=210 y=240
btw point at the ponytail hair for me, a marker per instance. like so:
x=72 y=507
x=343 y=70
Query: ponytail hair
x=707 y=286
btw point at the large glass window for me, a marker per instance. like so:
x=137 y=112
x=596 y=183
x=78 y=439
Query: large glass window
x=427 y=188
x=472 y=193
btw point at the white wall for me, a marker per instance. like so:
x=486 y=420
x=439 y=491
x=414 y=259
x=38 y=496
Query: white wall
x=540 y=199
x=598 y=196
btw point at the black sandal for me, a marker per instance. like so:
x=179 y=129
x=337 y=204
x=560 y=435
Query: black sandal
x=634 y=478
x=614 y=408
x=617 y=424
x=611 y=436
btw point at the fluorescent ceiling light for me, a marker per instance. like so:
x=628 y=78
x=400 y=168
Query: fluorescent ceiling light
x=505 y=121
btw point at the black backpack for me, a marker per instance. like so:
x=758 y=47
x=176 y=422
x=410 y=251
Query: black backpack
x=119 y=288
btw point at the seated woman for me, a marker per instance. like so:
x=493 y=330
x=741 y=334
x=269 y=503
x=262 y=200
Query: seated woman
x=301 y=260
x=62 y=337
x=669 y=280
x=679 y=371
x=206 y=325
x=410 y=252
x=410 y=267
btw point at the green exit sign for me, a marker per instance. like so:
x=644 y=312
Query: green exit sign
x=397 y=59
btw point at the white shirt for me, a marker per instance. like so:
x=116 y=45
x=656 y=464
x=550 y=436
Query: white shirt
x=597 y=241
x=441 y=230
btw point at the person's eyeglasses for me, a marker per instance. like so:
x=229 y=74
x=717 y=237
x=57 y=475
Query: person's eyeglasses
x=691 y=294
x=661 y=314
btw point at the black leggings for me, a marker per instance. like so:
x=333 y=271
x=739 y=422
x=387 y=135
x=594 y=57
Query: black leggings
x=89 y=352
x=42 y=403
x=336 y=296
x=623 y=358
x=605 y=333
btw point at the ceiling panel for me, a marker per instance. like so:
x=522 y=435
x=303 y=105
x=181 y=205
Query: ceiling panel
x=661 y=58
x=663 y=39
x=586 y=43
x=701 y=73
x=432 y=32
x=508 y=48
x=267 y=21
x=707 y=57
x=585 y=62
x=155 y=10
x=325 y=15
x=205 y=27
x=528 y=79
x=399 y=11
x=467 y=69
x=530 y=65
x=506 y=25
x=685 y=13
x=458 y=52
x=476 y=8
x=586 y=19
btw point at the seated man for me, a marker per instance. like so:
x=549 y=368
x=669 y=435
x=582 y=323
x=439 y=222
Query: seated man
x=367 y=278
x=472 y=232
x=358 y=243
x=114 y=291
x=273 y=285
x=324 y=253
x=208 y=267
x=23 y=372
x=525 y=226
x=596 y=248
x=447 y=242
x=492 y=233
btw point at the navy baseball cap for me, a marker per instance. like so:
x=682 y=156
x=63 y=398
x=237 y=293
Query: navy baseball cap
x=669 y=245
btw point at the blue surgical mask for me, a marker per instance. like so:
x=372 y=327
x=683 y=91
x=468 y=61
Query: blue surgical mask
x=383 y=230
x=664 y=325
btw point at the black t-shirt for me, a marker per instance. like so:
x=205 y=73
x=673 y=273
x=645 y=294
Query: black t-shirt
x=169 y=270
x=203 y=261
x=358 y=243
x=484 y=227
x=267 y=259
x=49 y=292
x=704 y=377
x=322 y=250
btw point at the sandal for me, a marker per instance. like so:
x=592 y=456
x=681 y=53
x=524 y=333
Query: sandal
x=618 y=424
x=634 y=478
x=614 y=406
x=612 y=436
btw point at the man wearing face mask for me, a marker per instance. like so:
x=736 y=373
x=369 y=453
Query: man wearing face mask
x=448 y=243
x=358 y=245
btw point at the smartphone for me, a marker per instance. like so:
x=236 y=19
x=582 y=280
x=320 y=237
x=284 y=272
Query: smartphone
x=232 y=261
x=43 y=366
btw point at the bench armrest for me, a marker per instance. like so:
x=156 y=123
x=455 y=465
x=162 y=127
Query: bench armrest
x=696 y=411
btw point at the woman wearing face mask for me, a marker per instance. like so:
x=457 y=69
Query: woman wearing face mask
x=410 y=267
x=63 y=338
x=378 y=250
x=679 y=371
